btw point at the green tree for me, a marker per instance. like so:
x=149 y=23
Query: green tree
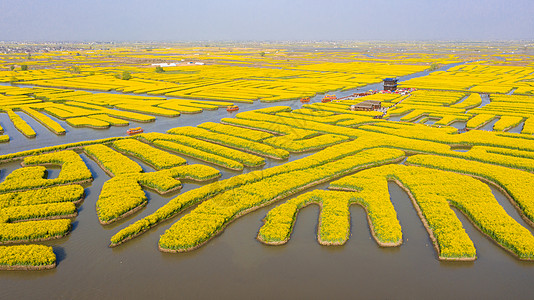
x=12 y=67
x=434 y=66
x=75 y=69
x=159 y=69
x=24 y=67
x=262 y=54
x=126 y=75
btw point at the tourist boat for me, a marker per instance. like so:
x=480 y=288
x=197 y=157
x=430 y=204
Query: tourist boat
x=462 y=130
x=358 y=95
x=232 y=108
x=135 y=130
x=328 y=98
x=305 y=100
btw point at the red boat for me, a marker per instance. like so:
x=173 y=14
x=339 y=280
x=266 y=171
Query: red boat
x=328 y=98
x=135 y=130
x=362 y=94
x=232 y=108
x=305 y=100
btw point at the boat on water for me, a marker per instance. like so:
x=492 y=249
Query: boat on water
x=232 y=108
x=135 y=130
x=328 y=98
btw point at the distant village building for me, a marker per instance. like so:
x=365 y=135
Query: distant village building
x=174 y=64
x=367 y=105
x=164 y=65
x=390 y=84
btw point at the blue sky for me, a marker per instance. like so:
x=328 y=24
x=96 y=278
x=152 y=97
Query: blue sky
x=133 y=20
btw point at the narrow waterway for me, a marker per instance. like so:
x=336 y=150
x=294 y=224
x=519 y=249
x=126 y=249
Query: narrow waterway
x=485 y=99
x=489 y=125
x=517 y=129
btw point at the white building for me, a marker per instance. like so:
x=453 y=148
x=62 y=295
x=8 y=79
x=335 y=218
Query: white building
x=164 y=65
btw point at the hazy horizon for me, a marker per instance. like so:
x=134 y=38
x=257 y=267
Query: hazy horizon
x=276 y=20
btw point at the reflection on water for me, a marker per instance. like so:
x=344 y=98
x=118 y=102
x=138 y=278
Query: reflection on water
x=489 y=125
x=517 y=129
x=458 y=124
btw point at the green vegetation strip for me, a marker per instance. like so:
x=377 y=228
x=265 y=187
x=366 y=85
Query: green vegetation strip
x=21 y=125
x=507 y=122
x=70 y=146
x=247 y=134
x=334 y=220
x=497 y=156
x=120 y=197
x=123 y=195
x=448 y=135
x=292 y=143
x=479 y=121
x=38 y=212
x=73 y=170
x=65 y=193
x=231 y=141
x=110 y=120
x=4 y=138
x=112 y=162
x=189 y=143
x=87 y=122
x=333 y=119
x=299 y=123
x=27 y=257
x=471 y=197
x=158 y=159
x=45 y=120
x=517 y=184
x=198 y=195
x=199 y=154
x=32 y=231
x=274 y=128
x=213 y=215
